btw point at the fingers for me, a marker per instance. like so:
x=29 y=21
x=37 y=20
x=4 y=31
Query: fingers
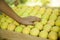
x=38 y=19
x=29 y=23
x=30 y=20
x=33 y=19
x=26 y=22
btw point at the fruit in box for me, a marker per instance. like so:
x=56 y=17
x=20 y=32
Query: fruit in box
x=55 y=28
x=3 y=19
x=51 y=22
x=57 y=23
x=11 y=27
x=18 y=29
x=53 y=18
x=34 y=32
x=34 y=12
x=16 y=23
x=22 y=11
x=38 y=15
x=9 y=20
x=53 y=35
x=39 y=25
x=23 y=26
x=26 y=13
x=47 y=27
x=30 y=26
x=45 y=16
x=43 y=21
x=26 y=30
x=47 y=13
x=43 y=34
x=56 y=12
x=42 y=10
x=4 y=25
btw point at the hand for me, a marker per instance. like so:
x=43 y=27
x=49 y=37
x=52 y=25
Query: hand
x=29 y=20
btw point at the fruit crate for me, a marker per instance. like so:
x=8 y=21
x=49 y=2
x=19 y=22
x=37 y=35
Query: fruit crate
x=47 y=29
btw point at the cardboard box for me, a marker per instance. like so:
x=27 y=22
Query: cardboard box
x=10 y=35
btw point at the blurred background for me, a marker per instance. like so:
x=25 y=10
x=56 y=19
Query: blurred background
x=50 y=3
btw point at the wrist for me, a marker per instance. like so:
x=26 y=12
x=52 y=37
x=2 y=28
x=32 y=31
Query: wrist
x=19 y=19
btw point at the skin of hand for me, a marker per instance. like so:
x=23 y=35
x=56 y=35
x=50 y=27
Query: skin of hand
x=8 y=11
x=30 y=20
